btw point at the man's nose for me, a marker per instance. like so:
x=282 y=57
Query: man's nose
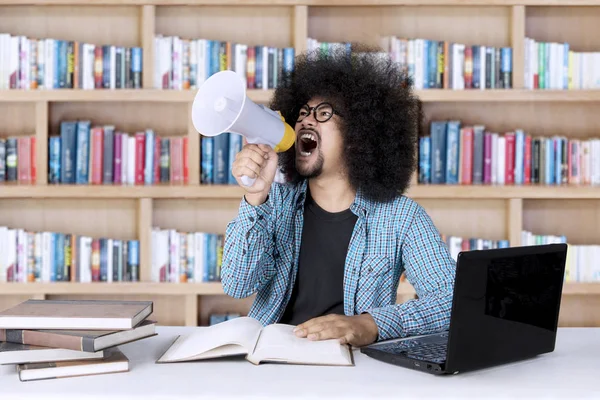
x=310 y=120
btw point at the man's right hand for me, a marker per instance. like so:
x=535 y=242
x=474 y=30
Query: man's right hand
x=256 y=161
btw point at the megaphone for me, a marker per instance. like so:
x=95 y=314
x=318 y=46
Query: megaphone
x=221 y=105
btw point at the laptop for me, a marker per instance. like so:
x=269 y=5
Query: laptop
x=505 y=308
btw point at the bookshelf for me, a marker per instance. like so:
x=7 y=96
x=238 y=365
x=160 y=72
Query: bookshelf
x=130 y=212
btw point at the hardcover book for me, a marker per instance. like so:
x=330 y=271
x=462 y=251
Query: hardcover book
x=80 y=340
x=76 y=314
x=114 y=361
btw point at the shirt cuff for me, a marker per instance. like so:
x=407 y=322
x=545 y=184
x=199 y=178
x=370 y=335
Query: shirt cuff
x=389 y=325
x=250 y=215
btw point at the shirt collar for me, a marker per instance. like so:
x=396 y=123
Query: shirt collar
x=361 y=205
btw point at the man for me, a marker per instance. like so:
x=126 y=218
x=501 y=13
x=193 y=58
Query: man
x=325 y=251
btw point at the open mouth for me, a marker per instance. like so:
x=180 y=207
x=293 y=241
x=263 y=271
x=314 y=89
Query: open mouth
x=307 y=143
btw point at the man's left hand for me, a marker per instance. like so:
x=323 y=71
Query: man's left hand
x=357 y=330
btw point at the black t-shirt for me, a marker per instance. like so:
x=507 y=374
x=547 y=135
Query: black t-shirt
x=319 y=286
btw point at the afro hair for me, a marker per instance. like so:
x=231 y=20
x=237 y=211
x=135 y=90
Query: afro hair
x=381 y=115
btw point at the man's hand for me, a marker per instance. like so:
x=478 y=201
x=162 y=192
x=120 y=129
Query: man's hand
x=357 y=330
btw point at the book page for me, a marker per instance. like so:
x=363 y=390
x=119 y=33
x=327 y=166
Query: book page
x=215 y=341
x=278 y=343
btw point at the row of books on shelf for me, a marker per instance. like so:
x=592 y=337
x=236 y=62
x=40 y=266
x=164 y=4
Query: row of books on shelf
x=180 y=257
x=582 y=260
x=47 y=256
x=457 y=153
x=456 y=244
x=86 y=153
x=554 y=65
x=181 y=63
x=53 y=63
x=441 y=64
x=18 y=159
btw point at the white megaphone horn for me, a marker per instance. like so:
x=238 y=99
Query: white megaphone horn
x=221 y=105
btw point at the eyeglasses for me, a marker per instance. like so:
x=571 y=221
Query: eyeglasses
x=322 y=112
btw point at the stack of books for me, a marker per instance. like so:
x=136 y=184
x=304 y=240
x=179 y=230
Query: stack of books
x=49 y=339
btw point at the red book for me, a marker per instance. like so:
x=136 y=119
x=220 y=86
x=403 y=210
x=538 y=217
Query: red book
x=467 y=151
x=98 y=67
x=97 y=153
x=140 y=154
x=527 y=160
x=251 y=67
x=23 y=159
x=468 y=72
x=176 y=160
x=95 y=260
x=33 y=158
x=184 y=158
x=509 y=175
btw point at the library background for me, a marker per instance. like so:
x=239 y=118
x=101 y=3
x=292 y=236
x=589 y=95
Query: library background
x=108 y=192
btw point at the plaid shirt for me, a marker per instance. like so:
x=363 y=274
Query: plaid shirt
x=263 y=243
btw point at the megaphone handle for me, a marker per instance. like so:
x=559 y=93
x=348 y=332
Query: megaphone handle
x=247 y=181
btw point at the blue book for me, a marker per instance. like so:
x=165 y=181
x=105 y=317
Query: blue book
x=53 y=239
x=220 y=158
x=438 y=152
x=68 y=134
x=425 y=159
x=476 y=66
x=235 y=146
x=519 y=156
x=54 y=170
x=133 y=259
x=506 y=67
x=549 y=161
x=288 y=59
x=557 y=143
x=149 y=162
x=83 y=152
x=207 y=160
x=59 y=256
x=103 y=260
x=258 y=81
x=425 y=65
x=136 y=66
x=452 y=151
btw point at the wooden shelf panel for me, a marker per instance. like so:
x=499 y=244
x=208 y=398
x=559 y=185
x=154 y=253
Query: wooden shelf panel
x=16 y=191
x=175 y=289
x=307 y=2
x=115 y=95
x=133 y=288
x=264 y=96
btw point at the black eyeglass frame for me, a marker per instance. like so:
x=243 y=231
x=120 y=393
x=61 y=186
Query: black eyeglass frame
x=313 y=110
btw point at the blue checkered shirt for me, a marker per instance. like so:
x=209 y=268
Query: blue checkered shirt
x=262 y=245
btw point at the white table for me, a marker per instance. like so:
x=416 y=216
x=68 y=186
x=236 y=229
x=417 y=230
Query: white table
x=572 y=371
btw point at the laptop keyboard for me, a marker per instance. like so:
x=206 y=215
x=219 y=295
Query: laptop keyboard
x=429 y=348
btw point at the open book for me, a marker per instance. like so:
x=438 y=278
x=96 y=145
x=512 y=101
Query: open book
x=246 y=336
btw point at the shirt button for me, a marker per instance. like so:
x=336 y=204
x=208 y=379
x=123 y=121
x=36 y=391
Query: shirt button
x=251 y=219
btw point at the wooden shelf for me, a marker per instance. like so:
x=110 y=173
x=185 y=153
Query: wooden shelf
x=264 y=96
x=16 y=191
x=180 y=289
x=133 y=288
x=115 y=95
x=309 y=2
